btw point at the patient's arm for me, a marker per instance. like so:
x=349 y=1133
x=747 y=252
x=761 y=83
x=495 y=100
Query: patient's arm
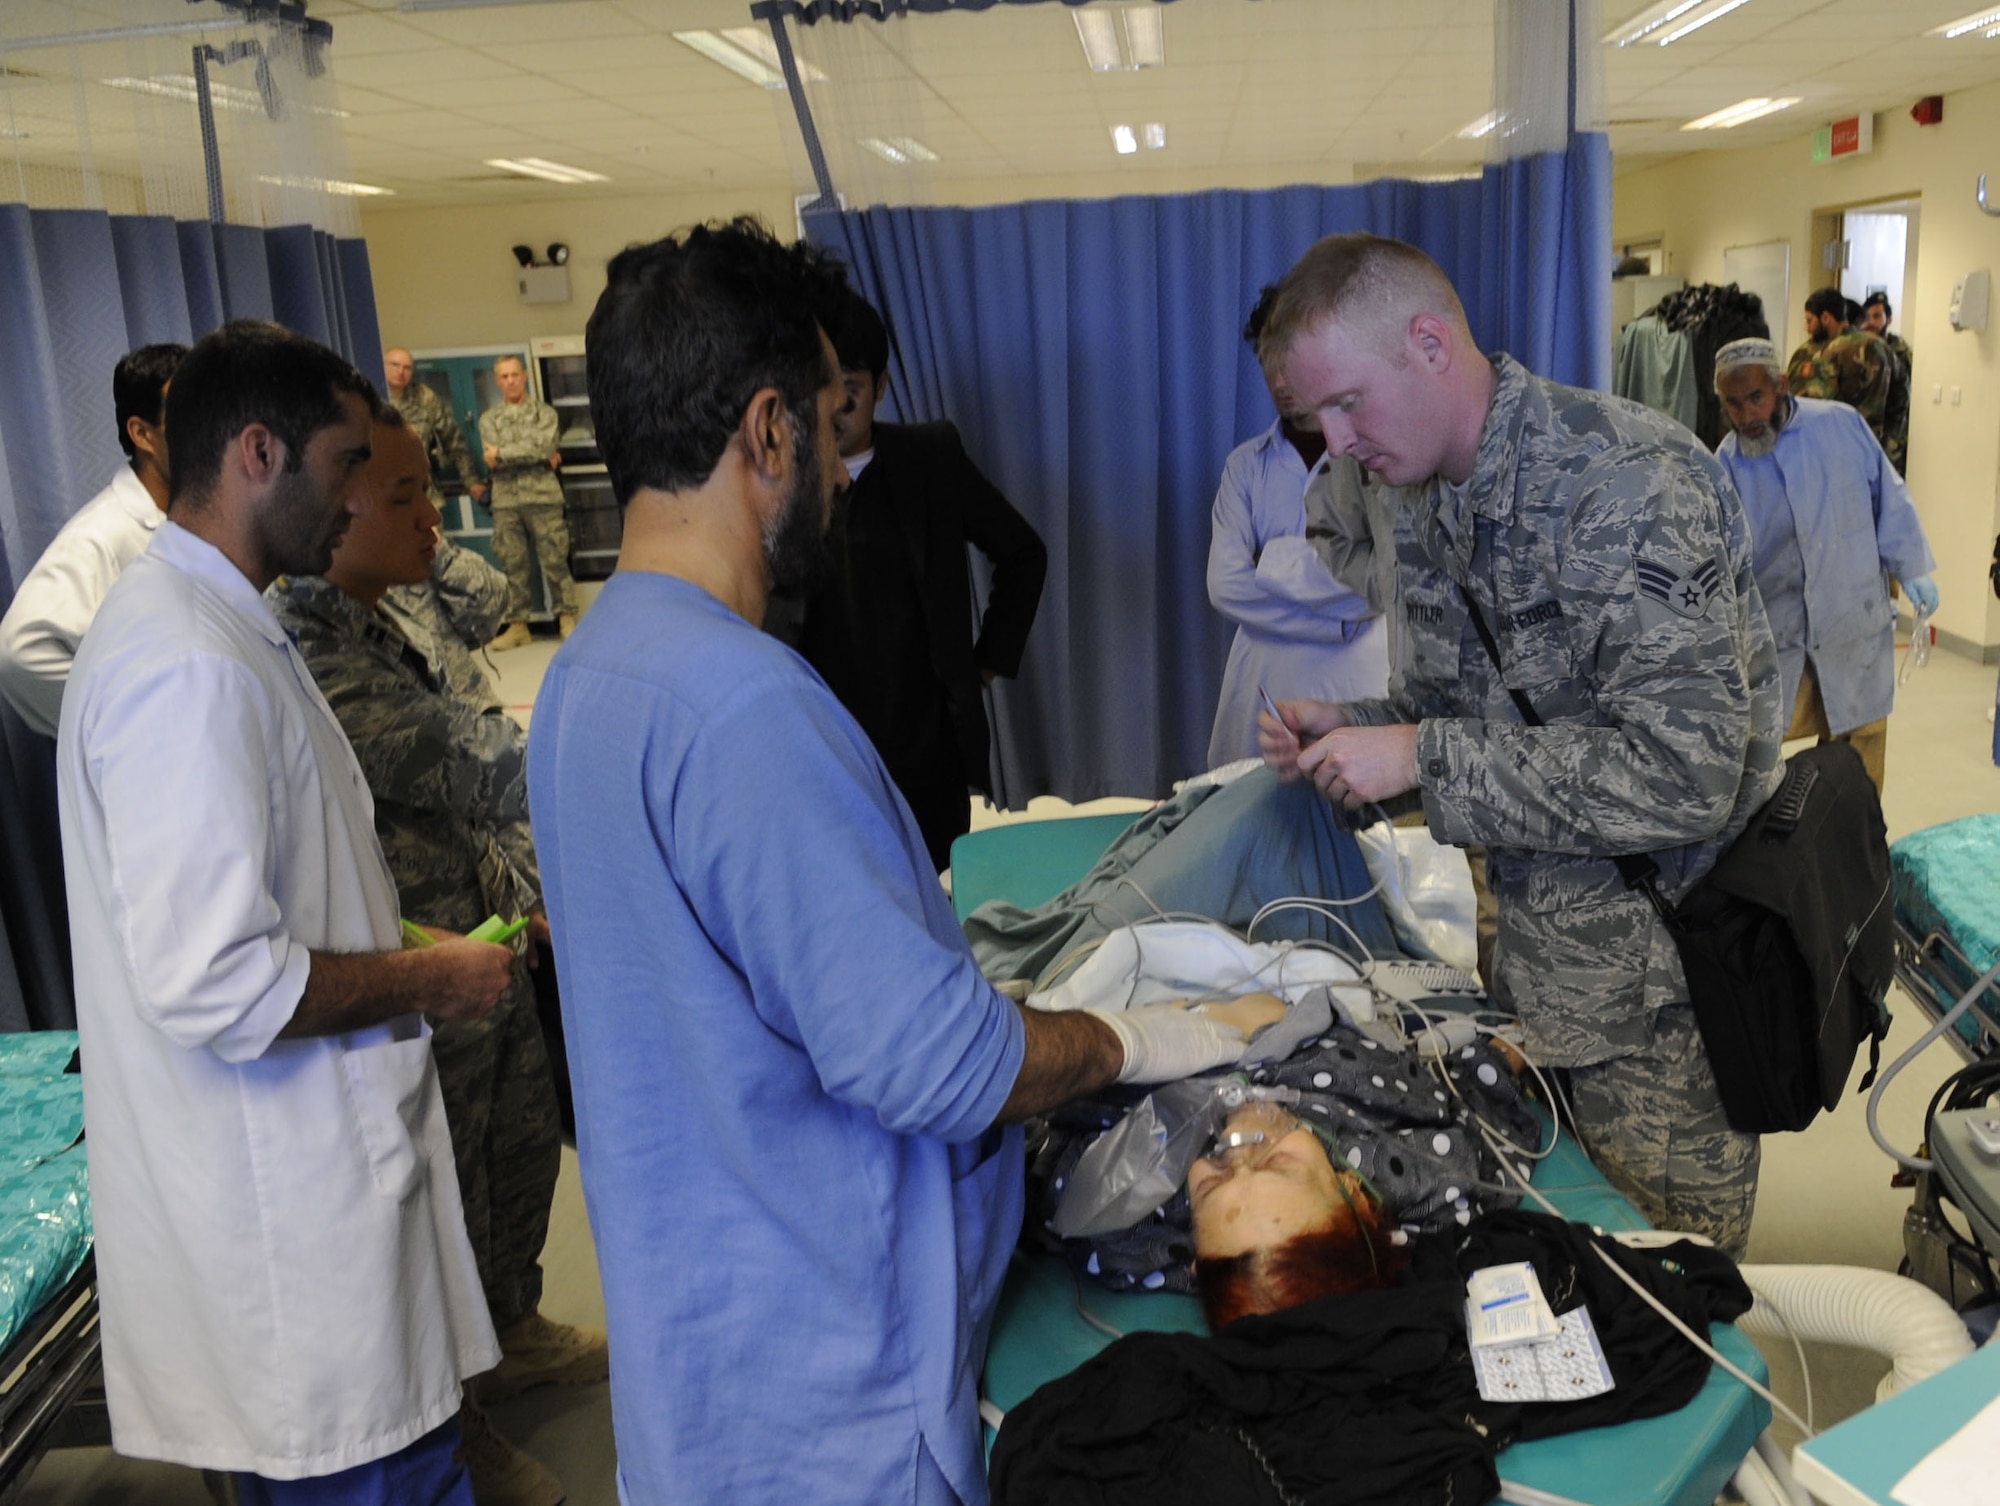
x=1249 y=1014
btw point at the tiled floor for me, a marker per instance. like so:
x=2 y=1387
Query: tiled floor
x=1825 y=1194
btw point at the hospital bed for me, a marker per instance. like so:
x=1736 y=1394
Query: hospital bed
x=1946 y=883
x=48 y=1293
x=1041 y=1330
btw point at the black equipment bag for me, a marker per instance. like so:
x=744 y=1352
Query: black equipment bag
x=1789 y=942
x=1789 y=945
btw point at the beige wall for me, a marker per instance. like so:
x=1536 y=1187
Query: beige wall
x=1703 y=204
x=445 y=277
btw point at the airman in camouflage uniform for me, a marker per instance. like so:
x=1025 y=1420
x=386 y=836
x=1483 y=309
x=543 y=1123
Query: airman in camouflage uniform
x=1842 y=363
x=446 y=777
x=520 y=436
x=1609 y=555
x=450 y=615
x=430 y=418
x=445 y=619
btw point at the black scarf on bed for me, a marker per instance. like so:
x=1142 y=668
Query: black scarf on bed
x=1358 y=1399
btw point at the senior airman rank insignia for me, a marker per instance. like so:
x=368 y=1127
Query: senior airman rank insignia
x=1686 y=595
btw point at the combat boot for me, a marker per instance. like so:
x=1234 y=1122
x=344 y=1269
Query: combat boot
x=515 y=635
x=536 y=1352
x=502 y=1475
x=566 y=623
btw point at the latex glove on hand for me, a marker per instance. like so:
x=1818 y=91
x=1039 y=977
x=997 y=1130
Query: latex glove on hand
x=1923 y=594
x=1166 y=1042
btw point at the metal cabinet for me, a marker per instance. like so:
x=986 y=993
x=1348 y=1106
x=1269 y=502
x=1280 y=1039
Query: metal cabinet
x=595 y=522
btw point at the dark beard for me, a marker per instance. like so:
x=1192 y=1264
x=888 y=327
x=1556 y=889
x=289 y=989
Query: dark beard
x=796 y=553
x=296 y=529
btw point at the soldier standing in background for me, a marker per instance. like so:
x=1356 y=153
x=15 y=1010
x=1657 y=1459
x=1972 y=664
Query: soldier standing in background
x=431 y=418
x=1841 y=363
x=1594 y=555
x=449 y=781
x=520 y=439
x=1896 y=413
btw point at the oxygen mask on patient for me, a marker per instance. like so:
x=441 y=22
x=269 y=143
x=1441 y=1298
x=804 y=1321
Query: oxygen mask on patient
x=1138 y=1164
x=1250 y=1133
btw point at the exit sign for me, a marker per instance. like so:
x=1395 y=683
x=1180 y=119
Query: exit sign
x=1852 y=137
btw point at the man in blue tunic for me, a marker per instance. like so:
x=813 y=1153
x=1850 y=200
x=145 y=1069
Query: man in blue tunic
x=1300 y=633
x=793 y=1086
x=1832 y=522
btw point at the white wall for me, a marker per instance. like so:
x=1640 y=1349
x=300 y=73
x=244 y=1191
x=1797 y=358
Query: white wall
x=1703 y=204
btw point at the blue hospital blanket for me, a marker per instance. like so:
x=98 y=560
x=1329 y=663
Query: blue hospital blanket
x=1219 y=852
x=1947 y=878
x=44 y=1178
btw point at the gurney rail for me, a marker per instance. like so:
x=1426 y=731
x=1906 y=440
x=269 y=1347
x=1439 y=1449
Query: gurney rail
x=1935 y=971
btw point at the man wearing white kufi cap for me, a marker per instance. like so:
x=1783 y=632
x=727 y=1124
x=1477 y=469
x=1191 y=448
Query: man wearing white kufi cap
x=1832 y=522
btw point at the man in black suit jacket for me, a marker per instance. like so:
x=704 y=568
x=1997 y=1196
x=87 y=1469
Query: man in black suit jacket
x=890 y=627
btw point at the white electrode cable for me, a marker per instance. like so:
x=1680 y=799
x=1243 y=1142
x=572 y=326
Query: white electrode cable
x=1664 y=1311
x=1433 y=1056
x=1945 y=1022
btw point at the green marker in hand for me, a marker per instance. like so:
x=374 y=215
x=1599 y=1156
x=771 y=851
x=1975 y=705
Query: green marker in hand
x=492 y=929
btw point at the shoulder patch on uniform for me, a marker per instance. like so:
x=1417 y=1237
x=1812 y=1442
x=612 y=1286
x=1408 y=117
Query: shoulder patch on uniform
x=1685 y=593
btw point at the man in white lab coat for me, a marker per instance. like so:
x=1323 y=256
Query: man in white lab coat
x=54 y=606
x=287 y=1288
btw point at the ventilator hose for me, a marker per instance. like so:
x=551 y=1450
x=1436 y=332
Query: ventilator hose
x=1889 y=1315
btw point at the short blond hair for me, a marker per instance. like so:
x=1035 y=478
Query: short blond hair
x=1369 y=282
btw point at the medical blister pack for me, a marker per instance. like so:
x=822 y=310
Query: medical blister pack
x=1568 y=1367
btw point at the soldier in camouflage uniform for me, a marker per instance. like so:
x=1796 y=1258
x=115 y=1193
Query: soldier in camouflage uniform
x=1609 y=556
x=1841 y=363
x=431 y=419
x=446 y=618
x=449 y=780
x=451 y=614
x=520 y=438
x=1896 y=412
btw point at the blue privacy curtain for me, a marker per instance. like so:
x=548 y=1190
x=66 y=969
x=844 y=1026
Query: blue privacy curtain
x=79 y=288
x=1090 y=352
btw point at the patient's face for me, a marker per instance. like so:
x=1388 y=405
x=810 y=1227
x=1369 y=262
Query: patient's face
x=1265 y=1194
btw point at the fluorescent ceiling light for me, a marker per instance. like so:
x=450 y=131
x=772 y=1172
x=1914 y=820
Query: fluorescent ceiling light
x=182 y=86
x=1155 y=135
x=1966 y=24
x=1669 y=21
x=899 y=149
x=1700 y=19
x=550 y=172
x=1641 y=27
x=1739 y=113
x=1123 y=139
x=1097 y=30
x=1145 y=36
x=749 y=52
x=1485 y=125
x=761 y=45
x=325 y=185
x=1121 y=39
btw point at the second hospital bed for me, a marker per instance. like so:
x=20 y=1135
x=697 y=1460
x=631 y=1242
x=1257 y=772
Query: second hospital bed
x=1040 y=1331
